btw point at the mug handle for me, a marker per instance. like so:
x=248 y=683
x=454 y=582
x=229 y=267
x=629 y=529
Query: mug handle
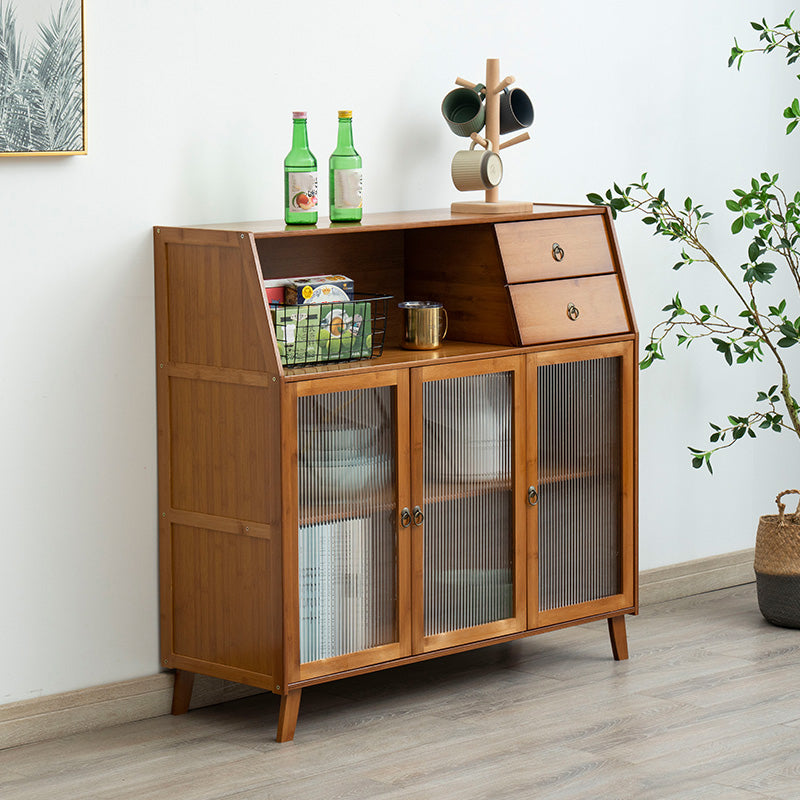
x=478 y=139
x=444 y=332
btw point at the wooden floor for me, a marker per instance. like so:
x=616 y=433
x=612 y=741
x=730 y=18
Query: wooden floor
x=708 y=706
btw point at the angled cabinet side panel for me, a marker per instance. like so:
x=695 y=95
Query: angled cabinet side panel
x=211 y=304
x=218 y=446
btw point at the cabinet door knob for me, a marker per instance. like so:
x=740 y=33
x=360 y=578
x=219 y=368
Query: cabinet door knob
x=572 y=311
x=405 y=518
x=419 y=517
x=558 y=251
x=533 y=496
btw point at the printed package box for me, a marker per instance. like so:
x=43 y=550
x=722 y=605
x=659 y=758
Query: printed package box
x=317 y=332
x=318 y=289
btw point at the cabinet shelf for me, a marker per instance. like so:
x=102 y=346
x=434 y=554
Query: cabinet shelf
x=393 y=357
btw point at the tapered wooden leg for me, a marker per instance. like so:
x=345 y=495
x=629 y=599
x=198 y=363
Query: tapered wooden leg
x=287 y=718
x=619 y=639
x=182 y=691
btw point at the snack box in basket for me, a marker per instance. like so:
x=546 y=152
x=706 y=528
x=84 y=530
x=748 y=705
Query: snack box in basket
x=313 y=333
x=318 y=289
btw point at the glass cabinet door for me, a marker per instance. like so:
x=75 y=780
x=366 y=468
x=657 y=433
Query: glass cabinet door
x=584 y=472
x=350 y=563
x=468 y=545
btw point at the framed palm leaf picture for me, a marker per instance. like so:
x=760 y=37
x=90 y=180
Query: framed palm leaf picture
x=42 y=87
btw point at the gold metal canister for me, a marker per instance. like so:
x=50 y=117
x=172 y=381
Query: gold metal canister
x=424 y=324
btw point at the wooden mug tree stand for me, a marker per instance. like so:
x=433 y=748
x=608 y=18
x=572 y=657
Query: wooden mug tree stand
x=492 y=204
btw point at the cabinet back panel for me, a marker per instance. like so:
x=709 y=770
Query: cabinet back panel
x=374 y=260
x=460 y=268
x=223 y=595
x=212 y=320
x=224 y=449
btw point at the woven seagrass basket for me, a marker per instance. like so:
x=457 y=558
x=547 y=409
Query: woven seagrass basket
x=777 y=565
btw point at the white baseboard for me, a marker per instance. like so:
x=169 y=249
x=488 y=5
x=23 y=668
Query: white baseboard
x=99 y=707
x=696 y=577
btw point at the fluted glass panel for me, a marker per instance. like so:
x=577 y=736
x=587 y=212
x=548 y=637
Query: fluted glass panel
x=468 y=548
x=347 y=514
x=579 y=464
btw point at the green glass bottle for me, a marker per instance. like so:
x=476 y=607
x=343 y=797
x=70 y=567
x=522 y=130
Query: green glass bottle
x=300 y=176
x=344 y=168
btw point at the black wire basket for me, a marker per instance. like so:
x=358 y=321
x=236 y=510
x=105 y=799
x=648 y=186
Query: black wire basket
x=332 y=332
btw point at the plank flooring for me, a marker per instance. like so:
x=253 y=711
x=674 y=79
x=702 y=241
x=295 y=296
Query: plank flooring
x=707 y=706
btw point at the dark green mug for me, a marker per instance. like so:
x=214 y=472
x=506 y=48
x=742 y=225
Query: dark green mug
x=464 y=110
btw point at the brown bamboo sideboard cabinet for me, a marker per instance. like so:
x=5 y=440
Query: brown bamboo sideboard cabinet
x=324 y=521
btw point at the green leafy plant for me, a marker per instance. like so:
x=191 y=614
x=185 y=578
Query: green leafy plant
x=770 y=218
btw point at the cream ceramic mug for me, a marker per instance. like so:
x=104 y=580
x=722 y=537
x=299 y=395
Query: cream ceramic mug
x=473 y=169
x=423 y=322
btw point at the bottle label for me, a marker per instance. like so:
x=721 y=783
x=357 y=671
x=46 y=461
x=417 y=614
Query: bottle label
x=302 y=191
x=347 y=186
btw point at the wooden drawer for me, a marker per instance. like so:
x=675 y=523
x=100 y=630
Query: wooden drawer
x=574 y=308
x=530 y=251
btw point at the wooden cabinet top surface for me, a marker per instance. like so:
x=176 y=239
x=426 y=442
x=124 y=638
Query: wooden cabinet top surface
x=395 y=220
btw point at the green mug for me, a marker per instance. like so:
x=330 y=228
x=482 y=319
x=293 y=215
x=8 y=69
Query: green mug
x=464 y=110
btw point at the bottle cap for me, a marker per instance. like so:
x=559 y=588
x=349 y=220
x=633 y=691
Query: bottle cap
x=299 y=114
x=345 y=114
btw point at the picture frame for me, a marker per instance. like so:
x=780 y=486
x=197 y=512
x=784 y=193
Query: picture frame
x=42 y=78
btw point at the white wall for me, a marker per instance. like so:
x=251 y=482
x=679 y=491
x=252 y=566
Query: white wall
x=189 y=119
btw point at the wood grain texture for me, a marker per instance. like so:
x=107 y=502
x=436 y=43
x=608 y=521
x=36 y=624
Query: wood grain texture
x=619 y=640
x=706 y=707
x=211 y=316
x=223 y=592
x=389 y=220
x=527 y=248
x=460 y=268
x=224 y=449
x=182 y=691
x=542 y=309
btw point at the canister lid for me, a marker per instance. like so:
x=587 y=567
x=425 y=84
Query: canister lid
x=299 y=114
x=419 y=304
x=345 y=115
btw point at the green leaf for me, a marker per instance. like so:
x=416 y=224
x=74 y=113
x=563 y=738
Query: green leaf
x=733 y=205
x=595 y=198
x=791 y=126
x=738 y=224
x=754 y=251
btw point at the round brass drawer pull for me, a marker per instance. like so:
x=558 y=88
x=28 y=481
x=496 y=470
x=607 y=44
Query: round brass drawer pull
x=572 y=311
x=558 y=251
